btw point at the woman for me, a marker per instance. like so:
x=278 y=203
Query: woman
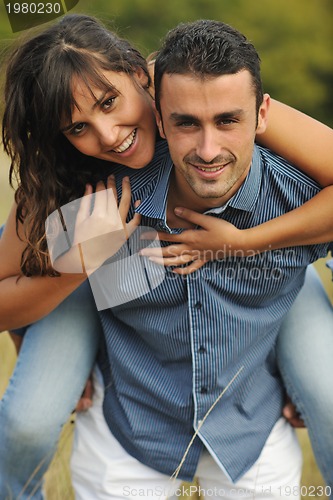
x=52 y=142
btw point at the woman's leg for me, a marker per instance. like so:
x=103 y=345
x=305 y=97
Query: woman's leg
x=305 y=354
x=55 y=360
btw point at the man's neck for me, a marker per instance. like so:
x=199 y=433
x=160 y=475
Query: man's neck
x=172 y=220
x=178 y=198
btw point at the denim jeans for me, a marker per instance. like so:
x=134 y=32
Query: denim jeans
x=57 y=355
x=305 y=354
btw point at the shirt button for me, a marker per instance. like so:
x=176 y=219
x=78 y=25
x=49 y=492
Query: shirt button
x=198 y=305
x=204 y=390
x=202 y=349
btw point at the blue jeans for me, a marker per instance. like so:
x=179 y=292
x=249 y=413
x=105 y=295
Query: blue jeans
x=55 y=360
x=305 y=354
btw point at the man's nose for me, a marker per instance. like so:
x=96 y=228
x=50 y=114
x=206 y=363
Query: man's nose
x=209 y=145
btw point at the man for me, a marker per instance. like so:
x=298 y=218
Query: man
x=196 y=354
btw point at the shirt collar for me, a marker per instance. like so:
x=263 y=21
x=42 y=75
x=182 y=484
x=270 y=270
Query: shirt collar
x=247 y=195
x=156 y=190
x=154 y=204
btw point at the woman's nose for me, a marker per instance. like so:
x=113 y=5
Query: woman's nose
x=107 y=133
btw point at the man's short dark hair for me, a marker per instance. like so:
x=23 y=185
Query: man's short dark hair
x=207 y=48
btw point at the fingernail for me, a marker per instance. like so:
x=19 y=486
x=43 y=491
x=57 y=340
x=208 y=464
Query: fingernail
x=178 y=211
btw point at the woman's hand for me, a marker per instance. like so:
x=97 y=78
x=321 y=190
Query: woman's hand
x=215 y=240
x=100 y=228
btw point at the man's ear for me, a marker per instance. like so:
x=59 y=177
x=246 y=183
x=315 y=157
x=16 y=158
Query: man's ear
x=263 y=114
x=141 y=77
x=151 y=67
x=159 y=122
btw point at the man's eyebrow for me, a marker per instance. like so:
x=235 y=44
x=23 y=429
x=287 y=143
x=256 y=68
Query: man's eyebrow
x=183 y=117
x=217 y=117
x=229 y=114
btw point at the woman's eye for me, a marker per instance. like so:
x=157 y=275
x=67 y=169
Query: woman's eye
x=79 y=127
x=108 y=103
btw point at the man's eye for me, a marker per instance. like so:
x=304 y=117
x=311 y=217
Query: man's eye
x=227 y=121
x=185 y=124
x=79 y=127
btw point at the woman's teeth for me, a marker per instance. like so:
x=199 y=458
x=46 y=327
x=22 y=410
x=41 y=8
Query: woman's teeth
x=127 y=143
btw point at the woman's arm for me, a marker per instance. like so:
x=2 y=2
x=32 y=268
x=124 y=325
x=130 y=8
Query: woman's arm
x=99 y=231
x=25 y=300
x=218 y=239
x=300 y=139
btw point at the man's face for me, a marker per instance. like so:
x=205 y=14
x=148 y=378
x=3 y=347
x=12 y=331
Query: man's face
x=210 y=126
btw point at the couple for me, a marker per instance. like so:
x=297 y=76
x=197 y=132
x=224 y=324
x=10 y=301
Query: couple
x=193 y=345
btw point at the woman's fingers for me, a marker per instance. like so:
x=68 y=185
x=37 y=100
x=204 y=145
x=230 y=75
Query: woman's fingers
x=125 y=200
x=111 y=193
x=195 y=218
x=170 y=251
x=100 y=213
x=173 y=255
x=119 y=211
x=85 y=205
x=194 y=266
x=172 y=237
x=172 y=261
x=113 y=217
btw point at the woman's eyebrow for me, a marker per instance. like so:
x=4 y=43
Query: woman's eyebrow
x=68 y=127
x=94 y=106
x=100 y=100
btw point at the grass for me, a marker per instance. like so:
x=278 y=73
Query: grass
x=58 y=479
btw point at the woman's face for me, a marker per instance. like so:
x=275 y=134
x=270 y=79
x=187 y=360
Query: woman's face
x=117 y=125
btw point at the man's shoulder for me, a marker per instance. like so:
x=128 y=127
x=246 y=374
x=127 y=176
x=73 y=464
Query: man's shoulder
x=279 y=168
x=144 y=181
x=161 y=157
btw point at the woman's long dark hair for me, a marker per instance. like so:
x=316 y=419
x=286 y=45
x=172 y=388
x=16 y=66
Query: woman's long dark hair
x=38 y=96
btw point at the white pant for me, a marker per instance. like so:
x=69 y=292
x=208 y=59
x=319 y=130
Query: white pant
x=102 y=469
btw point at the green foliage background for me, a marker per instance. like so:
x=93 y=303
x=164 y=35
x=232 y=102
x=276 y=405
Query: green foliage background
x=293 y=37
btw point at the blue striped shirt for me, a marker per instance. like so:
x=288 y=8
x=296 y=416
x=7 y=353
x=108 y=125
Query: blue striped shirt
x=170 y=353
